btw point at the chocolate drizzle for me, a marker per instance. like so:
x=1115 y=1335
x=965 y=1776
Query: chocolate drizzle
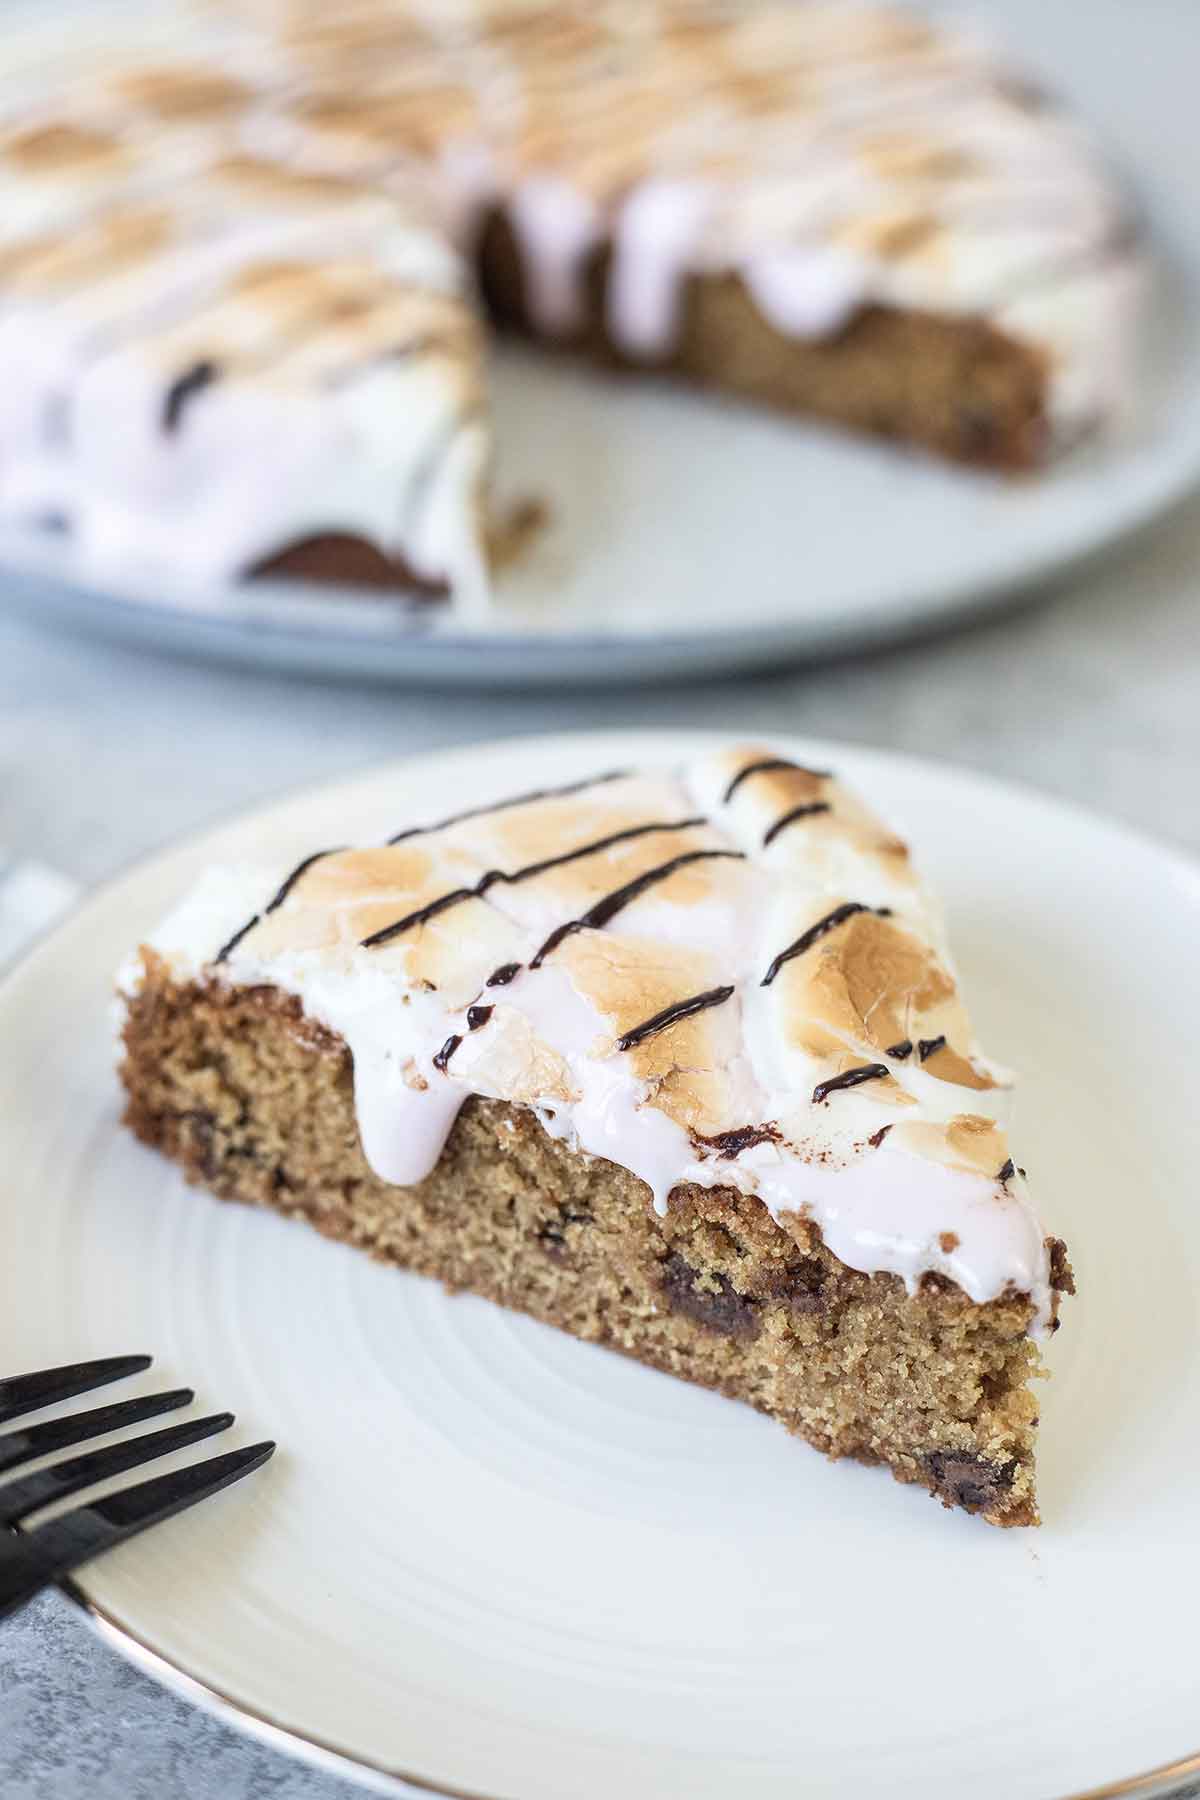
x=422 y=915
x=876 y=1138
x=476 y=1016
x=280 y=896
x=754 y=768
x=671 y=1015
x=600 y=914
x=789 y=818
x=761 y=768
x=728 y=1144
x=494 y=876
x=851 y=1079
x=928 y=1047
x=597 y=917
x=302 y=868
x=848 y=910
x=480 y=812
x=193 y=381
x=231 y=944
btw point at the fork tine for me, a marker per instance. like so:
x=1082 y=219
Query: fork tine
x=51 y=1551
x=30 y=1492
x=150 y=1501
x=26 y=1393
x=30 y=1441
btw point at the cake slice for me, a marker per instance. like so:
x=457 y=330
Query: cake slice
x=673 y=1060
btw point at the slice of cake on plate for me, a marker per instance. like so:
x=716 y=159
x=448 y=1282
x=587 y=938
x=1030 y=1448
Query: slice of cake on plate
x=674 y=1060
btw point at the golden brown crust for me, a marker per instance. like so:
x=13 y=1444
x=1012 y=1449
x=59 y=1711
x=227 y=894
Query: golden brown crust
x=959 y=387
x=255 y=1102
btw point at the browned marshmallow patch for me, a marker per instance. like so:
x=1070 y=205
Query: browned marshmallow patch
x=58 y=149
x=114 y=244
x=798 y=813
x=970 y=1143
x=183 y=92
x=870 y=982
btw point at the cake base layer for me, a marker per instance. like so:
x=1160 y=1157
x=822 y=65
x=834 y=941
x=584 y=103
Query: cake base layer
x=956 y=386
x=255 y=1102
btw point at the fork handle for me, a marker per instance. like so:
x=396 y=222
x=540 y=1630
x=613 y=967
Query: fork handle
x=23 y=1573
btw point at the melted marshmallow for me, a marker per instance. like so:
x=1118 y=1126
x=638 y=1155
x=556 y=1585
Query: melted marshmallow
x=556 y=227
x=906 y=1171
x=654 y=248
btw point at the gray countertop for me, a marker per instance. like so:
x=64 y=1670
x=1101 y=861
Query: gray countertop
x=1092 y=693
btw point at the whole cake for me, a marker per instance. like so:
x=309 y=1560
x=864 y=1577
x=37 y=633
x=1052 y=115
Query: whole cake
x=673 y=1060
x=237 y=325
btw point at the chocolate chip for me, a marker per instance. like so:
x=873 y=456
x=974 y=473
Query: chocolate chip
x=978 y=431
x=1062 y=1277
x=552 y=1235
x=199 y=1134
x=801 y=1284
x=717 y=1307
x=960 y=1478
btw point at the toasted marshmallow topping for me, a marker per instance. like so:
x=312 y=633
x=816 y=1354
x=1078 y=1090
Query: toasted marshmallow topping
x=729 y=976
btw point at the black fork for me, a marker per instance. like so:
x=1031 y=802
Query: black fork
x=31 y=1559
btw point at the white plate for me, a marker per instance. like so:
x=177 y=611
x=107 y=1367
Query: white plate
x=691 y=535
x=515 y=1565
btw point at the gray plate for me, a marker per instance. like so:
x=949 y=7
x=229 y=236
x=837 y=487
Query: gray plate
x=693 y=536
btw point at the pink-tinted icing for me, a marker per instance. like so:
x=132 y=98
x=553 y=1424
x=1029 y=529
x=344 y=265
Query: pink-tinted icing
x=556 y=226
x=656 y=240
